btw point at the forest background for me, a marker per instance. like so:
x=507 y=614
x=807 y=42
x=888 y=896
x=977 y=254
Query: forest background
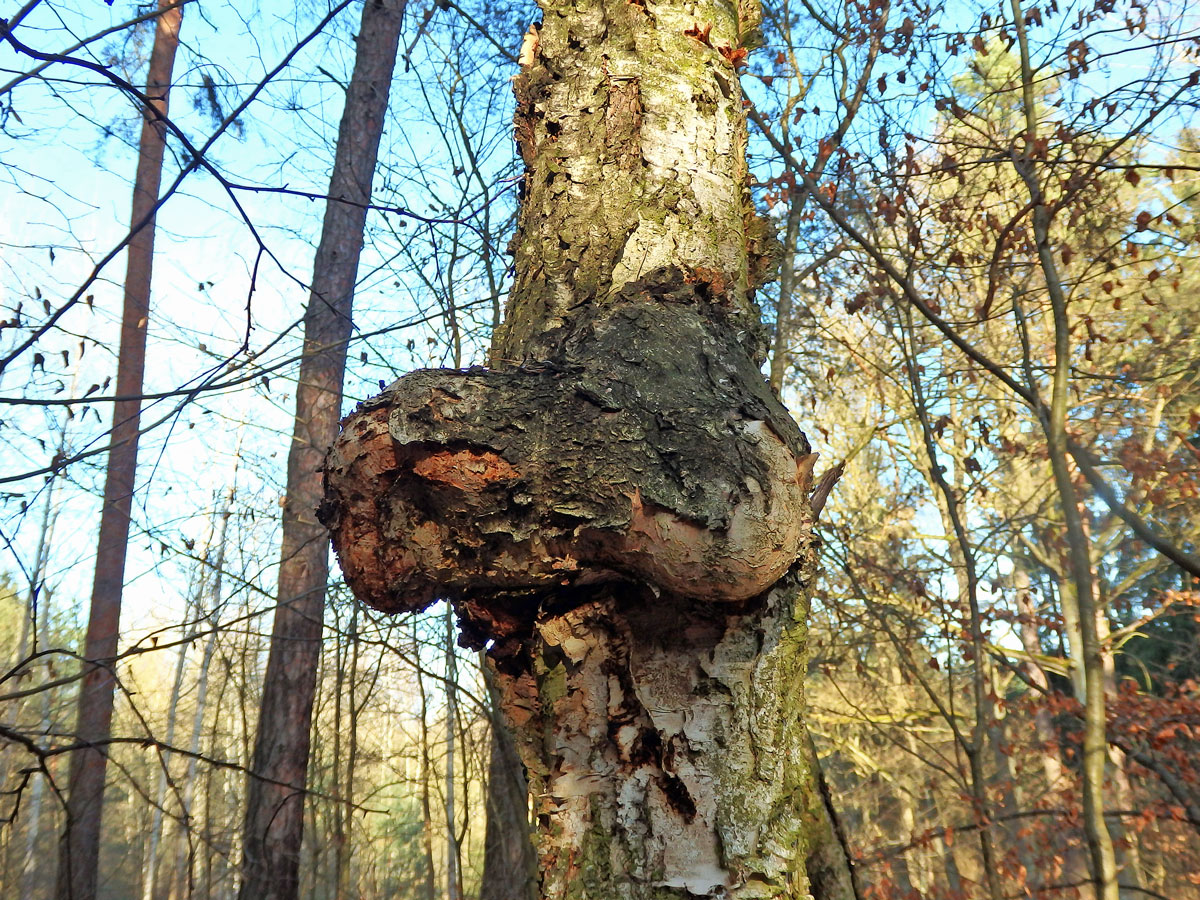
x=900 y=153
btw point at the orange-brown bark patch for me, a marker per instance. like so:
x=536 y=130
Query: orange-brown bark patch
x=716 y=282
x=367 y=460
x=465 y=469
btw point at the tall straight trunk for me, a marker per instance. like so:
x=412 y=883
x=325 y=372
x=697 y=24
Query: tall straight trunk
x=338 y=838
x=1033 y=672
x=787 y=287
x=344 y=866
x=79 y=853
x=180 y=870
x=941 y=849
x=33 y=614
x=1007 y=790
x=30 y=867
x=274 y=822
x=150 y=861
x=1126 y=839
x=619 y=507
x=429 y=885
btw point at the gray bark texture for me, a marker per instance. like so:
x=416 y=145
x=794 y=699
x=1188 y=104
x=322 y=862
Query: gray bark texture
x=618 y=506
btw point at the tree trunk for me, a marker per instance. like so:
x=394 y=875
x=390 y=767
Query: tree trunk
x=345 y=869
x=79 y=853
x=509 y=866
x=619 y=509
x=1054 y=425
x=429 y=882
x=150 y=860
x=274 y=807
x=181 y=870
x=453 y=868
x=781 y=340
x=30 y=868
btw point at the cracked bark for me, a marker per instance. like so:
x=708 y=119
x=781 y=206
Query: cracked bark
x=618 y=507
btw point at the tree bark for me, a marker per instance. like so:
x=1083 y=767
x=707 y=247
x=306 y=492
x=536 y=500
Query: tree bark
x=275 y=792
x=453 y=867
x=79 y=852
x=619 y=507
x=509 y=865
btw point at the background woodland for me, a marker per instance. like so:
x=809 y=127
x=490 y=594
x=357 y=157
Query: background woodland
x=984 y=221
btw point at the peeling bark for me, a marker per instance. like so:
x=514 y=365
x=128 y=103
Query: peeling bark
x=618 y=506
x=664 y=744
x=516 y=482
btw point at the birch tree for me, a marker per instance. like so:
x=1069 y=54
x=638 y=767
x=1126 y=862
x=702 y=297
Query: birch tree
x=618 y=507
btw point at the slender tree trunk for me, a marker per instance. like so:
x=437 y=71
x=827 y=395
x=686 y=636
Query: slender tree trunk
x=339 y=683
x=943 y=849
x=1126 y=841
x=79 y=856
x=181 y=872
x=150 y=862
x=33 y=614
x=30 y=867
x=1043 y=723
x=1054 y=424
x=345 y=866
x=429 y=887
x=787 y=288
x=962 y=553
x=453 y=875
x=1026 y=873
x=275 y=792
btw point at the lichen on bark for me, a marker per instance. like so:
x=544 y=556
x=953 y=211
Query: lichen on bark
x=618 y=505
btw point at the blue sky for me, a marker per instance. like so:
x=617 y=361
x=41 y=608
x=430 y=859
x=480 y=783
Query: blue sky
x=68 y=158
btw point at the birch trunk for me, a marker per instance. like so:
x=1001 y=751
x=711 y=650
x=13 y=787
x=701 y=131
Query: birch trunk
x=619 y=508
x=79 y=853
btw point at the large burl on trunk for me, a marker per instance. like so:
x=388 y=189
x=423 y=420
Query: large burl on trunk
x=618 y=506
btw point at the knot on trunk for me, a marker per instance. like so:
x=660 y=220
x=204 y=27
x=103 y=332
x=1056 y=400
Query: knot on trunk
x=651 y=452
